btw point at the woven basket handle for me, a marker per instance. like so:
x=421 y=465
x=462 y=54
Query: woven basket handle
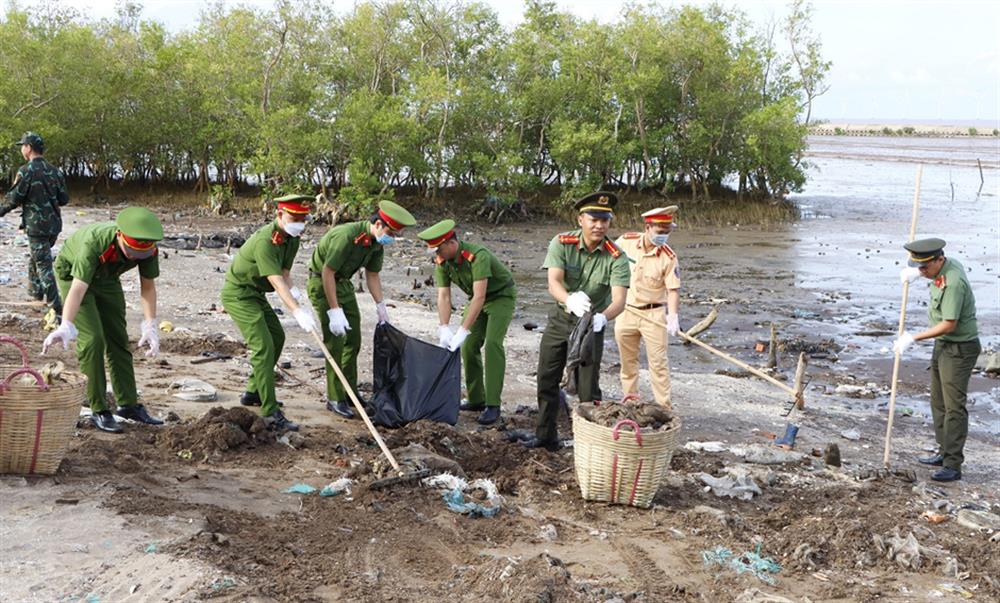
x=630 y=423
x=17 y=344
x=21 y=371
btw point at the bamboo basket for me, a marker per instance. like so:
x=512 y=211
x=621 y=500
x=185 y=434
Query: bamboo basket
x=621 y=467
x=36 y=420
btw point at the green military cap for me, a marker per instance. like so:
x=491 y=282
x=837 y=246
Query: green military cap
x=394 y=215
x=924 y=250
x=439 y=233
x=31 y=138
x=139 y=223
x=600 y=204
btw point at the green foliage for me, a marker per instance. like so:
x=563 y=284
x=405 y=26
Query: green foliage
x=973 y=132
x=416 y=95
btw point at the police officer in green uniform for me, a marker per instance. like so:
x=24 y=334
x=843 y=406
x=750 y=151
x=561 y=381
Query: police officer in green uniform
x=262 y=265
x=40 y=190
x=952 y=318
x=586 y=273
x=343 y=250
x=492 y=293
x=88 y=270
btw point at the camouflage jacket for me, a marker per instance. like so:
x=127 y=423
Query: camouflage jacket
x=39 y=190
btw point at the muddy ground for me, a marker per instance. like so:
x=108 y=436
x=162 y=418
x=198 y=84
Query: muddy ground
x=196 y=509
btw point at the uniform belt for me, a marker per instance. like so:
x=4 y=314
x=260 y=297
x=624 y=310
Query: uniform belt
x=647 y=306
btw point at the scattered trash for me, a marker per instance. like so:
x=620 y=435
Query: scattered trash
x=133 y=588
x=185 y=454
x=151 y=547
x=341 y=486
x=51 y=320
x=767 y=455
x=978 y=520
x=742 y=487
x=787 y=441
x=906 y=551
x=456 y=489
x=192 y=390
x=751 y=562
x=851 y=434
x=293 y=440
x=869 y=390
x=419 y=456
x=706 y=446
x=934 y=517
x=958 y=590
x=225 y=582
x=548 y=533
x=299 y=489
x=166 y=326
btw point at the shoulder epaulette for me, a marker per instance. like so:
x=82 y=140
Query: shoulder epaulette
x=568 y=239
x=277 y=237
x=670 y=252
x=468 y=255
x=632 y=235
x=940 y=282
x=364 y=239
x=110 y=254
x=612 y=248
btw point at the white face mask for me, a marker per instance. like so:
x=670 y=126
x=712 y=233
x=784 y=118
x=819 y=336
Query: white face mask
x=294 y=229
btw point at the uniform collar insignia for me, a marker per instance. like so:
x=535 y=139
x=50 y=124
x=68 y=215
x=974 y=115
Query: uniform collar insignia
x=364 y=239
x=940 y=282
x=110 y=254
x=277 y=237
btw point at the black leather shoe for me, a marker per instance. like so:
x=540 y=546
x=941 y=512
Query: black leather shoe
x=946 y=475
x=489 y=416
x=137 y=412
x=105 y=421
x=937 y=460
x=341 y=408
x=279 y=422
x=534 y=442
x=466 y=405
x=252 y=399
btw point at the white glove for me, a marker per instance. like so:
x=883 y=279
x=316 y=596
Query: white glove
x=600 y=321
x=65 y=332
x=902 y=342
x=150 y=336
x=457 y=339
x=908 y=275
x=444 y=335
x=382 y=311
x=578 y=303
x=673 y=325
x=305 y=319
x=297 y=295
x=338 y=322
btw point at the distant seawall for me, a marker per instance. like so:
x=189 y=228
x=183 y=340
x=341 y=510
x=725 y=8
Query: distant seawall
x=936 y=131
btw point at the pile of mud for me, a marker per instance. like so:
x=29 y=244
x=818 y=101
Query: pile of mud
x=648 y=415
x=191 y=343
x=217 y=431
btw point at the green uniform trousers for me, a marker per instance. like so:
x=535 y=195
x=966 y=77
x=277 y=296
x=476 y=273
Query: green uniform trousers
x=103 y=333
x=264 y=335
x=41 y=277
x=485 y=387
x=951 y=368
x=345 y=348
x=552 y=363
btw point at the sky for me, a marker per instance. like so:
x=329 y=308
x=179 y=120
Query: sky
x=894 y=61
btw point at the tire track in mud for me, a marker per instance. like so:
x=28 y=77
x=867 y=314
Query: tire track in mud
x=656 y=584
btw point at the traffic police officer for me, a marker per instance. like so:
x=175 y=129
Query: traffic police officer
x=342 y=251
x=653 y=289
x=88 y=270
x=262 y=265
x=40 y=190
x=492 y=293
x=952 y=318
x=586 y=273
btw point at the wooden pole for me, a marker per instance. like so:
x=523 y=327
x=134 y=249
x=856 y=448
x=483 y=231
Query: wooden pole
x=800 y=374
x=718 y=353
x=902 y=322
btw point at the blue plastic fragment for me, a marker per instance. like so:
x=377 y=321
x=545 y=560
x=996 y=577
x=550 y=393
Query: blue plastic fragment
x=300 y=489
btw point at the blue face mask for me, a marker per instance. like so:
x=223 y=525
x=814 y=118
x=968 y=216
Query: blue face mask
x=384 y=239
x=660 y=240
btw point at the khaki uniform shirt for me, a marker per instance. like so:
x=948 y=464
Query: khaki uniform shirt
x=91 y=254
x=473 y=263
x=267 y=252
x=593 y=272
x=654 y=270
x=952 y=299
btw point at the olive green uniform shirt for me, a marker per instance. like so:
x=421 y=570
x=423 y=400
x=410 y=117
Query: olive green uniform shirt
x=474 y=263
x=593 y=272
x=91 y=254
x=267 y=252
x=952 y=299
x=346 y=248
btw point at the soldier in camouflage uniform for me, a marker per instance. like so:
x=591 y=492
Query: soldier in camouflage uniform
x=39 y=190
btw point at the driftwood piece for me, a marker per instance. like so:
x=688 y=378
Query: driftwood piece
x=772 y=352
x=703 y=324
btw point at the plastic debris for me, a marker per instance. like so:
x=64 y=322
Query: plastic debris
x=767 y=455
x=851 y=434
x=151 y=547
x=192 y=390
x=978 y=520
x=456 y=489
x=934 y=517
x=299 y=489
x=341 y=486
x=742 y=487
x=225 y=582
x=166 y=326
x=51 y=320
x=706 y=446
x=751 y=562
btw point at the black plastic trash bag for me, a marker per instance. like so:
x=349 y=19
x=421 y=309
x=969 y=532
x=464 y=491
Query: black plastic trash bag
x=414 y=380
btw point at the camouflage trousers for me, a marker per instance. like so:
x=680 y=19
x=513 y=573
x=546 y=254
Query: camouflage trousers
x=41 y=277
